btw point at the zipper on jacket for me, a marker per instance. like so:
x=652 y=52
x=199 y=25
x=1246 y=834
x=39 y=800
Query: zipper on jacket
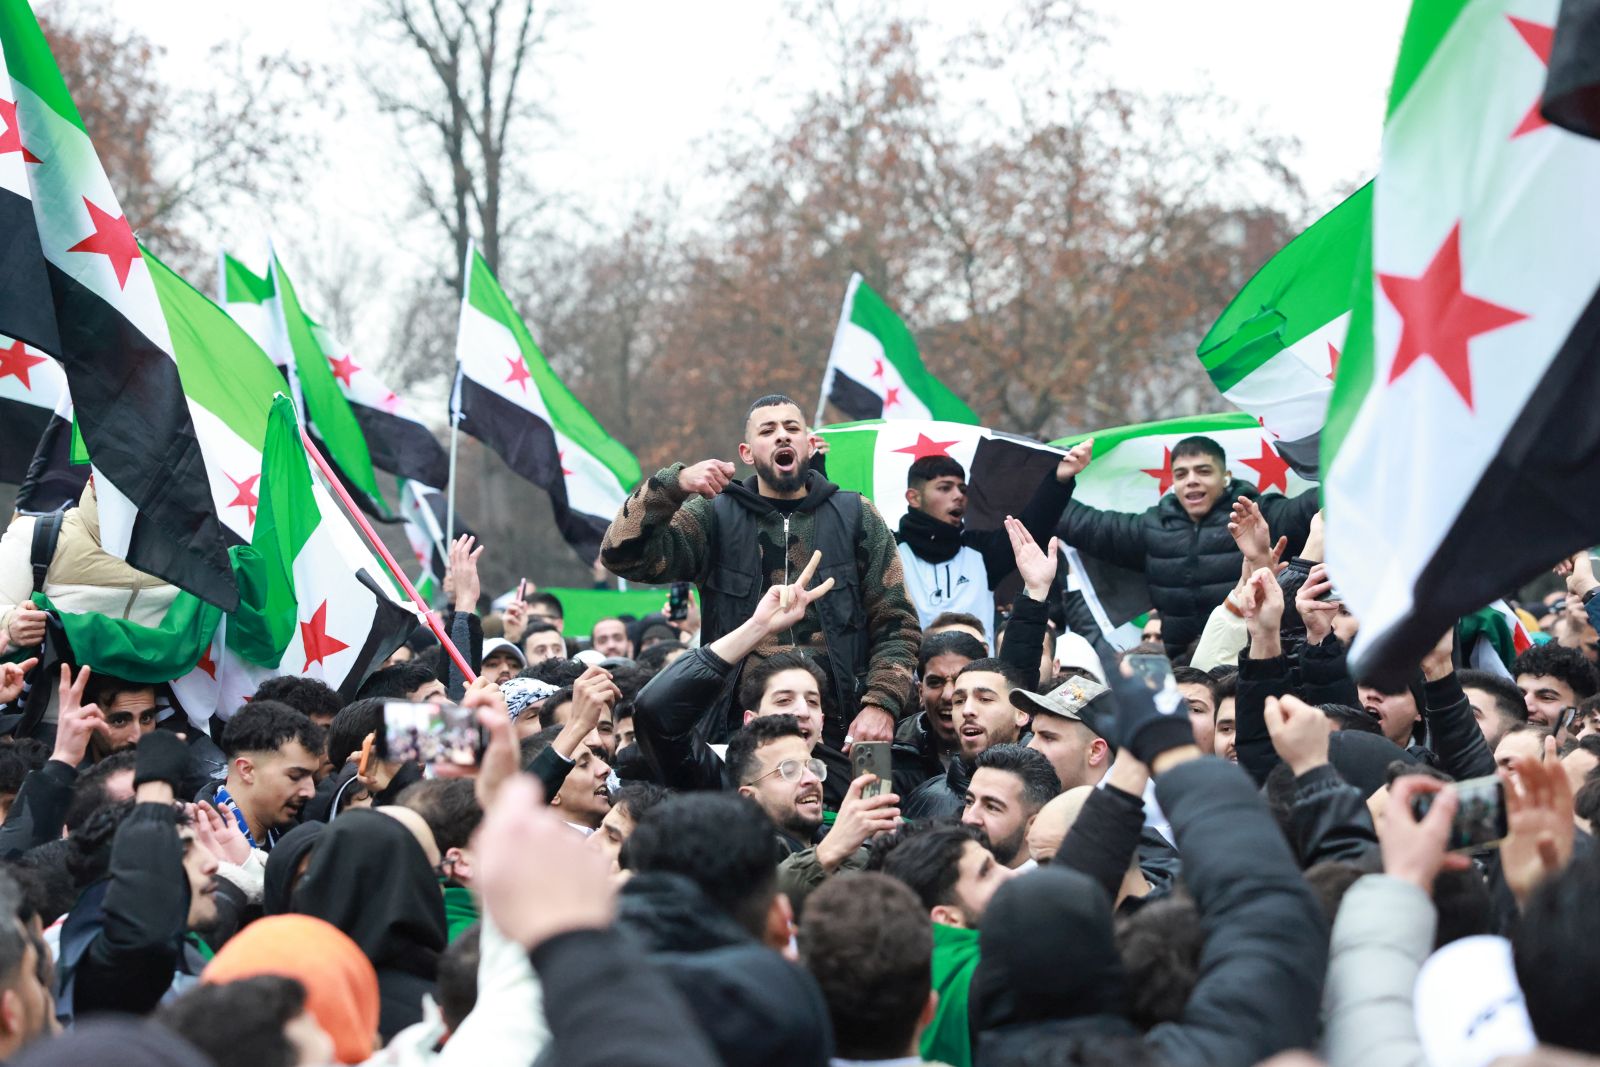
x=786 y=563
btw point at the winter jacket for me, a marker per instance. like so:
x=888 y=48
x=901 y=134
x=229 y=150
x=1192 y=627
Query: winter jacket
x=1049 y=965
x=801 y=872
x=866 y=627
x=1383 y=934
x=1329 y=819
x=1453 y=732
x=39 y=811
x=1190 y=566
x=941 y=797
x=1110 y=832
x=756 y=1007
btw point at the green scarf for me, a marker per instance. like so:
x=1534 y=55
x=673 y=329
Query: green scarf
x=460 y=910
x=955 y=956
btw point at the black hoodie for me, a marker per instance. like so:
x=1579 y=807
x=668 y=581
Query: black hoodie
x=370 y=878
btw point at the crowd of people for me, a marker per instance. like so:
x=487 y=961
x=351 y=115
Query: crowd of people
x=1214 y=848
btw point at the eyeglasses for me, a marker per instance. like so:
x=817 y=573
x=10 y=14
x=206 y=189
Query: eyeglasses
x=789 y=770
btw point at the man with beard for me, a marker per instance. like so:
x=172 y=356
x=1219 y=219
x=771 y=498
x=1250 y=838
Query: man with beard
x=949 y=568
x=984 y=716
x=273 y=754
x=737 y=539
x=933 y=731
x=1009 y=786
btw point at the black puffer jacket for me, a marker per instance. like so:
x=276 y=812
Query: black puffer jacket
x=1189 y=566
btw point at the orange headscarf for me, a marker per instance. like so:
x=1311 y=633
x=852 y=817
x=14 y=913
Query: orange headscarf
x=341 y=986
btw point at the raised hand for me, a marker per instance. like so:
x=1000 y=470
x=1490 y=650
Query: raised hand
x=1317 y=614
x=1299 y=733
x=219 y=832
x=76 y=721
x=1262 y=606
x=1414 y=850
x=1439 y=662
x=12 y=676
x=1038 y=569
x=516 y=615
x=783 y=606
x=500 y=761
x=707 y=478
x=1249 y=530
x=1539 y=824
x=1578 y=570
x=860 y=819
x=1077 y=458
x=463 y=573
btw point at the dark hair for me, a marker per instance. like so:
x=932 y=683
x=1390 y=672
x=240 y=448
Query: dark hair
x=1538 y=730
x=1040 y=783
x=13 y=942
x=1196 y=676
x=557 y=671
x=530 y=747
x=930 y=468
x=47 y=886
x=1553 y=949
x=1402 y=768
x=992 y=665
x=458 y=975
x=949 y=643
x=1093 y=1049
x=545 y=600
x=448 y=805
x=1346 y=717
x=654 y=658
x=609 y=618
x=13 y=769
x=1160 y=946
x=1464 y=905
x=759 y=671
x=1330 y=880
x=927 y=858
x=89 y=791
x=351 y=726
x=1589 y=744
x=553 y=703
x=762 y=730
x=1508 y=700
x=957 y=618
x=308 y=696
x=1200 y=446
x=105 y=688
x=771 y=400
x=866 y=939
x=266 y=726
x=397 y=682
x=639 y=798
x=1586 y=801
x=539 y=626
x=239 y=1022
x=722 y=842
x=1564 y=664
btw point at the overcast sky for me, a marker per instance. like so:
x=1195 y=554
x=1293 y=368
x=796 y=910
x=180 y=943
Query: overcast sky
x=642 y=84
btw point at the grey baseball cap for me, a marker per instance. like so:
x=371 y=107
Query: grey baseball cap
x=1078 y=699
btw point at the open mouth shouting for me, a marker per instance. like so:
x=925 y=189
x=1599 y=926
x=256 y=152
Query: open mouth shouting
x=809 y=802
x=785 y=459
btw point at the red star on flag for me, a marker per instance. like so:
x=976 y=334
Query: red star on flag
x=891 y=397
x=1261 y=421
x=246 y=494
x=1439 y=318
x=111 y=238
x=877 y=368
x=1333 y=361
x=1539 y=38
x=207 y=664
x=1164 y=473
x=519 y=372
x=314 y=636
x=1271 y=470
x=925 y=447
x=344 y=368
x=391 y=403
x=15 y=363
x=11 y=133
x=561 y=458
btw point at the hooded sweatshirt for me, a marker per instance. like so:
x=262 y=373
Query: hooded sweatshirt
x=369 y=877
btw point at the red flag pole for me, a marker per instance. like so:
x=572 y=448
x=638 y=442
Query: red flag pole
x=354 y=511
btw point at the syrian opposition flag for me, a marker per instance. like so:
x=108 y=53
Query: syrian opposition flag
x=398 y=441
x=74 y=283
x=507 y=396
x=423 y=509
x=31 y=385
x=1492 y=638
x=1274 y=349
x=874 y=371
x=53 y=479
x=1461 y=441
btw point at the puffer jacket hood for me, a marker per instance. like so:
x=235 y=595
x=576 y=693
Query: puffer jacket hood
x=664 y=912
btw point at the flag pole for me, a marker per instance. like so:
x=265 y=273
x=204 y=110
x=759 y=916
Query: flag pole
x=455 y=402
x=394 y=568
x=450 y=495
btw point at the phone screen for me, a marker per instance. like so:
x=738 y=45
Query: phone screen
x=678 y=601
x=872 y=757
x=434 y=735
x=1480 y=820
x=1153 y=671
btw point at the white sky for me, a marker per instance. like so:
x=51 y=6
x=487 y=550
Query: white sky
x=642 y=84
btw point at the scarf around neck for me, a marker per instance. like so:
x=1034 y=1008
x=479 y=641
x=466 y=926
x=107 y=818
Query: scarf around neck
x=930 y=539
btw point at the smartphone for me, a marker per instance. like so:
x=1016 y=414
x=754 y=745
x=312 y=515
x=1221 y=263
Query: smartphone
x=678 y=601
x=1154 y=671
x=872 y=757
x=1332 y=596
x=434 y=735
x=1480 y=820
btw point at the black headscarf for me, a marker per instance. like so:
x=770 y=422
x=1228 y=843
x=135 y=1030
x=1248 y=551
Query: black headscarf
x=370 y=878
x=119 y=1041
x=930 y=539
x=284 y=861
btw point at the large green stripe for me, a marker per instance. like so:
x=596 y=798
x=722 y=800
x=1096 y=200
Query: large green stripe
x=325 y=404
x=869 y=311
x=241 y=285
x=29 y=62
x=569 y=416
x=140 y=653
x=1356 y=362
x=851 y=459
x=1106 y=440
x=1298 y=291
x=222 y=369
x=1427 y=25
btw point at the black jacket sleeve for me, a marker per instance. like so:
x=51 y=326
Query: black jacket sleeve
x=666 y=718
x=1290 y=517
x=551 y=768
x=130 y=964
x=1453 y=731
x=1329 y=818
x=1103 y=840
x=1324 y=675
x=466 y=633
x=1114 y=536
x=1258 y=680
x=1023 y=646
x=585 y=975
x=1266 y=947
x=40 y=809
x=1040 y=516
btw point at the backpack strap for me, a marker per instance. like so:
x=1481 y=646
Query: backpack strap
x=46 y=532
